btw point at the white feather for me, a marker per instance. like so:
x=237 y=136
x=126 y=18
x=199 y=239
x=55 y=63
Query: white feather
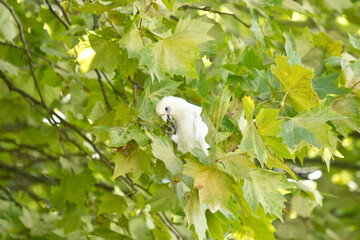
x=191 y=130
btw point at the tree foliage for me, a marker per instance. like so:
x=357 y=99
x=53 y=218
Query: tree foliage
x=83 y=154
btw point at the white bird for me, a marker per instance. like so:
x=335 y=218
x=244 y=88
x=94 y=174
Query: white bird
x=190 y=129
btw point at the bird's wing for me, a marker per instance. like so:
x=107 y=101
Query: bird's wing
x=199 y=126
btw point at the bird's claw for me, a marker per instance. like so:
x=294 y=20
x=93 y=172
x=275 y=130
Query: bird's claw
x=170 y=127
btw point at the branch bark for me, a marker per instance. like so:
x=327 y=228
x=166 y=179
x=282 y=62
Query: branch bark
x=208 y=9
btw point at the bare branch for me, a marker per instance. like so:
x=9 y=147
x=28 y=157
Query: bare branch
x=125 y=178
x=116 y=92
x=103 y=90
x=63 y=12
x=8 y=194
x=147 y=9
x=55 y=14
x=208 y=9
x=22 y=36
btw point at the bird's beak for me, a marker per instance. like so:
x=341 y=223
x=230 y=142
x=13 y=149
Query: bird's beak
x=166 y=116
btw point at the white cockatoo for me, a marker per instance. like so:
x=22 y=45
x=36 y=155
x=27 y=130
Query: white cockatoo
x=190 y=129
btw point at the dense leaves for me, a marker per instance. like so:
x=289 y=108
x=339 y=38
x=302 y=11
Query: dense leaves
x=83 y=154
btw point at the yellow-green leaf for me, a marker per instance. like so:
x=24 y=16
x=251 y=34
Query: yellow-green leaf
x=214 y=185
x=252 y=144
x=195 y=214
x=136 y=162
x=264 y=188
x=295 y=84
x=162 y=148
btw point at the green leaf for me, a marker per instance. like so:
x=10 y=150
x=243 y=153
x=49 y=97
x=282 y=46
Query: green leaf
x=97 y=111
x=290 y=48
x=169 y=4
x=354 y=41
x=119 y=137
x=160 y=89
x=75 y=186
x=327 y=85
x=71 y=221
x=352 y=72
x=107 y=52
x=264 y=188
x=94 y=51
x=313 y=193
x=348 y=107
x=295 y=84
x=218 y=224
x=325 y=42
x=273 y=162
x=195 y=213
x=97 y=8
x=210 y=182
x=136 y=162
x=162 y=148
x=111 y=203
x=238 y=165
x=269 y=128
x=217 y=110
x=176 y=54
x=255 y=28
x=253 y=144
x=164 y=199
x=133 y=42
x=248 y=108
x=8 y=28
x=8 y=67
x=310 y=127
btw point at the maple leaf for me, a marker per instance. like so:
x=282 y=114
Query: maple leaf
x=295 y=84
x=176 y=54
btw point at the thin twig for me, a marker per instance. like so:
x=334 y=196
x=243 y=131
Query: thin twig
x=171 y=227
x=134 y=93
x=208 y=9
x=174 y=18
x=8 y=194
x=125 y=178
x=103 y=90
x=22 y=36
x=95 y=22
x=34 y=53
x=147 y=9
x=63 y=12
x=31 y=100
x=116 y=92
x=113 y=26
x=123 y=88
x=135 y=82
x=55 y=14
x=355 y=84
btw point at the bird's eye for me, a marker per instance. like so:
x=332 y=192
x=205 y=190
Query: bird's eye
x=167 y=109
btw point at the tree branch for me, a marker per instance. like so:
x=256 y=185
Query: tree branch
x=103 y=90
x=116 y=92
x=22 y=36
x=53 y=65
x=63 y=12
x=125 y=178
x=55 y=14
x=208 y=9
x=147 y=9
